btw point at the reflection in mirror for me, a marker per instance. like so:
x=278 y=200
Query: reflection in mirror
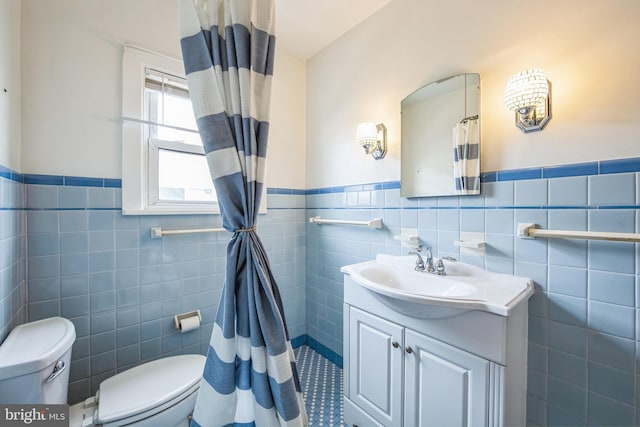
x=441 y=138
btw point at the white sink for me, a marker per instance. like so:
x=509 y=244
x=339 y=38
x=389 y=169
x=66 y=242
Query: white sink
x=420 y=294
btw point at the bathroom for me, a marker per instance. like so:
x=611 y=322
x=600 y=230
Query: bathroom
x=68 y=251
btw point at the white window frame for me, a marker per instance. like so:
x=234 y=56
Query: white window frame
x=139 y=152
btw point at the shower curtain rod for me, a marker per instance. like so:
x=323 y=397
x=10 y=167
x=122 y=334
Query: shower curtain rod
x=529 y=231
x=466 y=119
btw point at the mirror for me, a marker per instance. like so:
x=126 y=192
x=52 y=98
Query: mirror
x=432 y=117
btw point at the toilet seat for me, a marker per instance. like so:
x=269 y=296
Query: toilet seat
x=145 y=391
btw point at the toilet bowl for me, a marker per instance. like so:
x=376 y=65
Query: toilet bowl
x=34 y=362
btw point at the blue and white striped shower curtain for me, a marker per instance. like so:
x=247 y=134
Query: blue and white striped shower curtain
x=250 y=376
x=466 y=156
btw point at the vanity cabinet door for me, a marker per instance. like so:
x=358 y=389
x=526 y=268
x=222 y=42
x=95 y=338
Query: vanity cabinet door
x=375 y=367
x=444 y=386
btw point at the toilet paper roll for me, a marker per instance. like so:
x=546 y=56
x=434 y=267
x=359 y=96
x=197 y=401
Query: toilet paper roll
x=189 y=324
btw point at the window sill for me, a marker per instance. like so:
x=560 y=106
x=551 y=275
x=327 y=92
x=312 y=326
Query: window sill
x=179 y=211
x=172 y=211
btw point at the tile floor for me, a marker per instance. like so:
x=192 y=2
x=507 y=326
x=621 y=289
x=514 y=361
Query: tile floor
x=321 y=383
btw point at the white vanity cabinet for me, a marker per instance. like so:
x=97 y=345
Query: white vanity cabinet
x=444 y=386
x=376 y=368
x=466 y=368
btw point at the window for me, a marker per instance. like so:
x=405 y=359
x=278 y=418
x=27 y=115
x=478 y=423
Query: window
x=164 y=169
x=178 y=170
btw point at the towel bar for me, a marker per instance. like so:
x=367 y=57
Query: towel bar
x=529 y=231
x=158 y=232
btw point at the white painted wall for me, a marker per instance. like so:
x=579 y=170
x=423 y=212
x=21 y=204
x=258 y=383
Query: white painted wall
x=71 y=77
x=286 y=155
x=10 y=84
x=589 y=49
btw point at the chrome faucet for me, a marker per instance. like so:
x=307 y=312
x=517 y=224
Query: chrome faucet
x=420 y=262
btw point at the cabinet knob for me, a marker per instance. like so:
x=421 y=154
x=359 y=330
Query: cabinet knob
x=395 y=344
x=408 y=350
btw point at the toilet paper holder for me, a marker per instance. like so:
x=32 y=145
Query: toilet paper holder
x=178 y=318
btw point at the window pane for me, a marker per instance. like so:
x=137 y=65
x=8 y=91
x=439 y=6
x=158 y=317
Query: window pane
x=173 y=111
x=169 y=83
x=167 y=102
x=169 y=134
x=178 y=112
x=184 y=177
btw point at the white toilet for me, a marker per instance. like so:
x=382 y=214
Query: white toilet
x=34 y=362
x=34 y=368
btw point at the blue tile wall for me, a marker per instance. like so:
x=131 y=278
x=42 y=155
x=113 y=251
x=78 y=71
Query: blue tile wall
x=13 y=244
x=99 y=268
x=89 y=263
x=584 y=324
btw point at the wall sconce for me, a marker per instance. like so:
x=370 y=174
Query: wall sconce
x=373 y=138
x=529 y=94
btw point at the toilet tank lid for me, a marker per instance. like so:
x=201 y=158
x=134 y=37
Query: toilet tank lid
x=32 y=347
x=148 y=386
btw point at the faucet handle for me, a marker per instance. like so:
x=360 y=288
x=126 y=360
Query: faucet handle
x=439 y=268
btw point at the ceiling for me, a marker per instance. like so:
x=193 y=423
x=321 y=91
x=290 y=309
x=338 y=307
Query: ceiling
x=305 y=27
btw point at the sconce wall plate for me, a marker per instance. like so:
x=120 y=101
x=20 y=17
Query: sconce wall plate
x=534 y=119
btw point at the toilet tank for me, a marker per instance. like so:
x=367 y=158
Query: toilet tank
x=35 y=362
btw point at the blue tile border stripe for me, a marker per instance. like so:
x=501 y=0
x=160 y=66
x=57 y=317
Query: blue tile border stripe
x=112 y=183
x=287 y=191
x=386 y=185
x=489 y=177
x=578 y=169
x=43 y=179
x=77 y=181
x=83 y=182
x=619 y=166
x=5 y=172
x=468 y=208
x=519 y=174
x=601 y=167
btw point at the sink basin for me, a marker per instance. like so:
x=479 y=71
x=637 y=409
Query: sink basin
x=393 y=280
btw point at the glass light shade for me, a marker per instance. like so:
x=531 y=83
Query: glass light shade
x=373 y=138
x=527 y=89
x=367 y=135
